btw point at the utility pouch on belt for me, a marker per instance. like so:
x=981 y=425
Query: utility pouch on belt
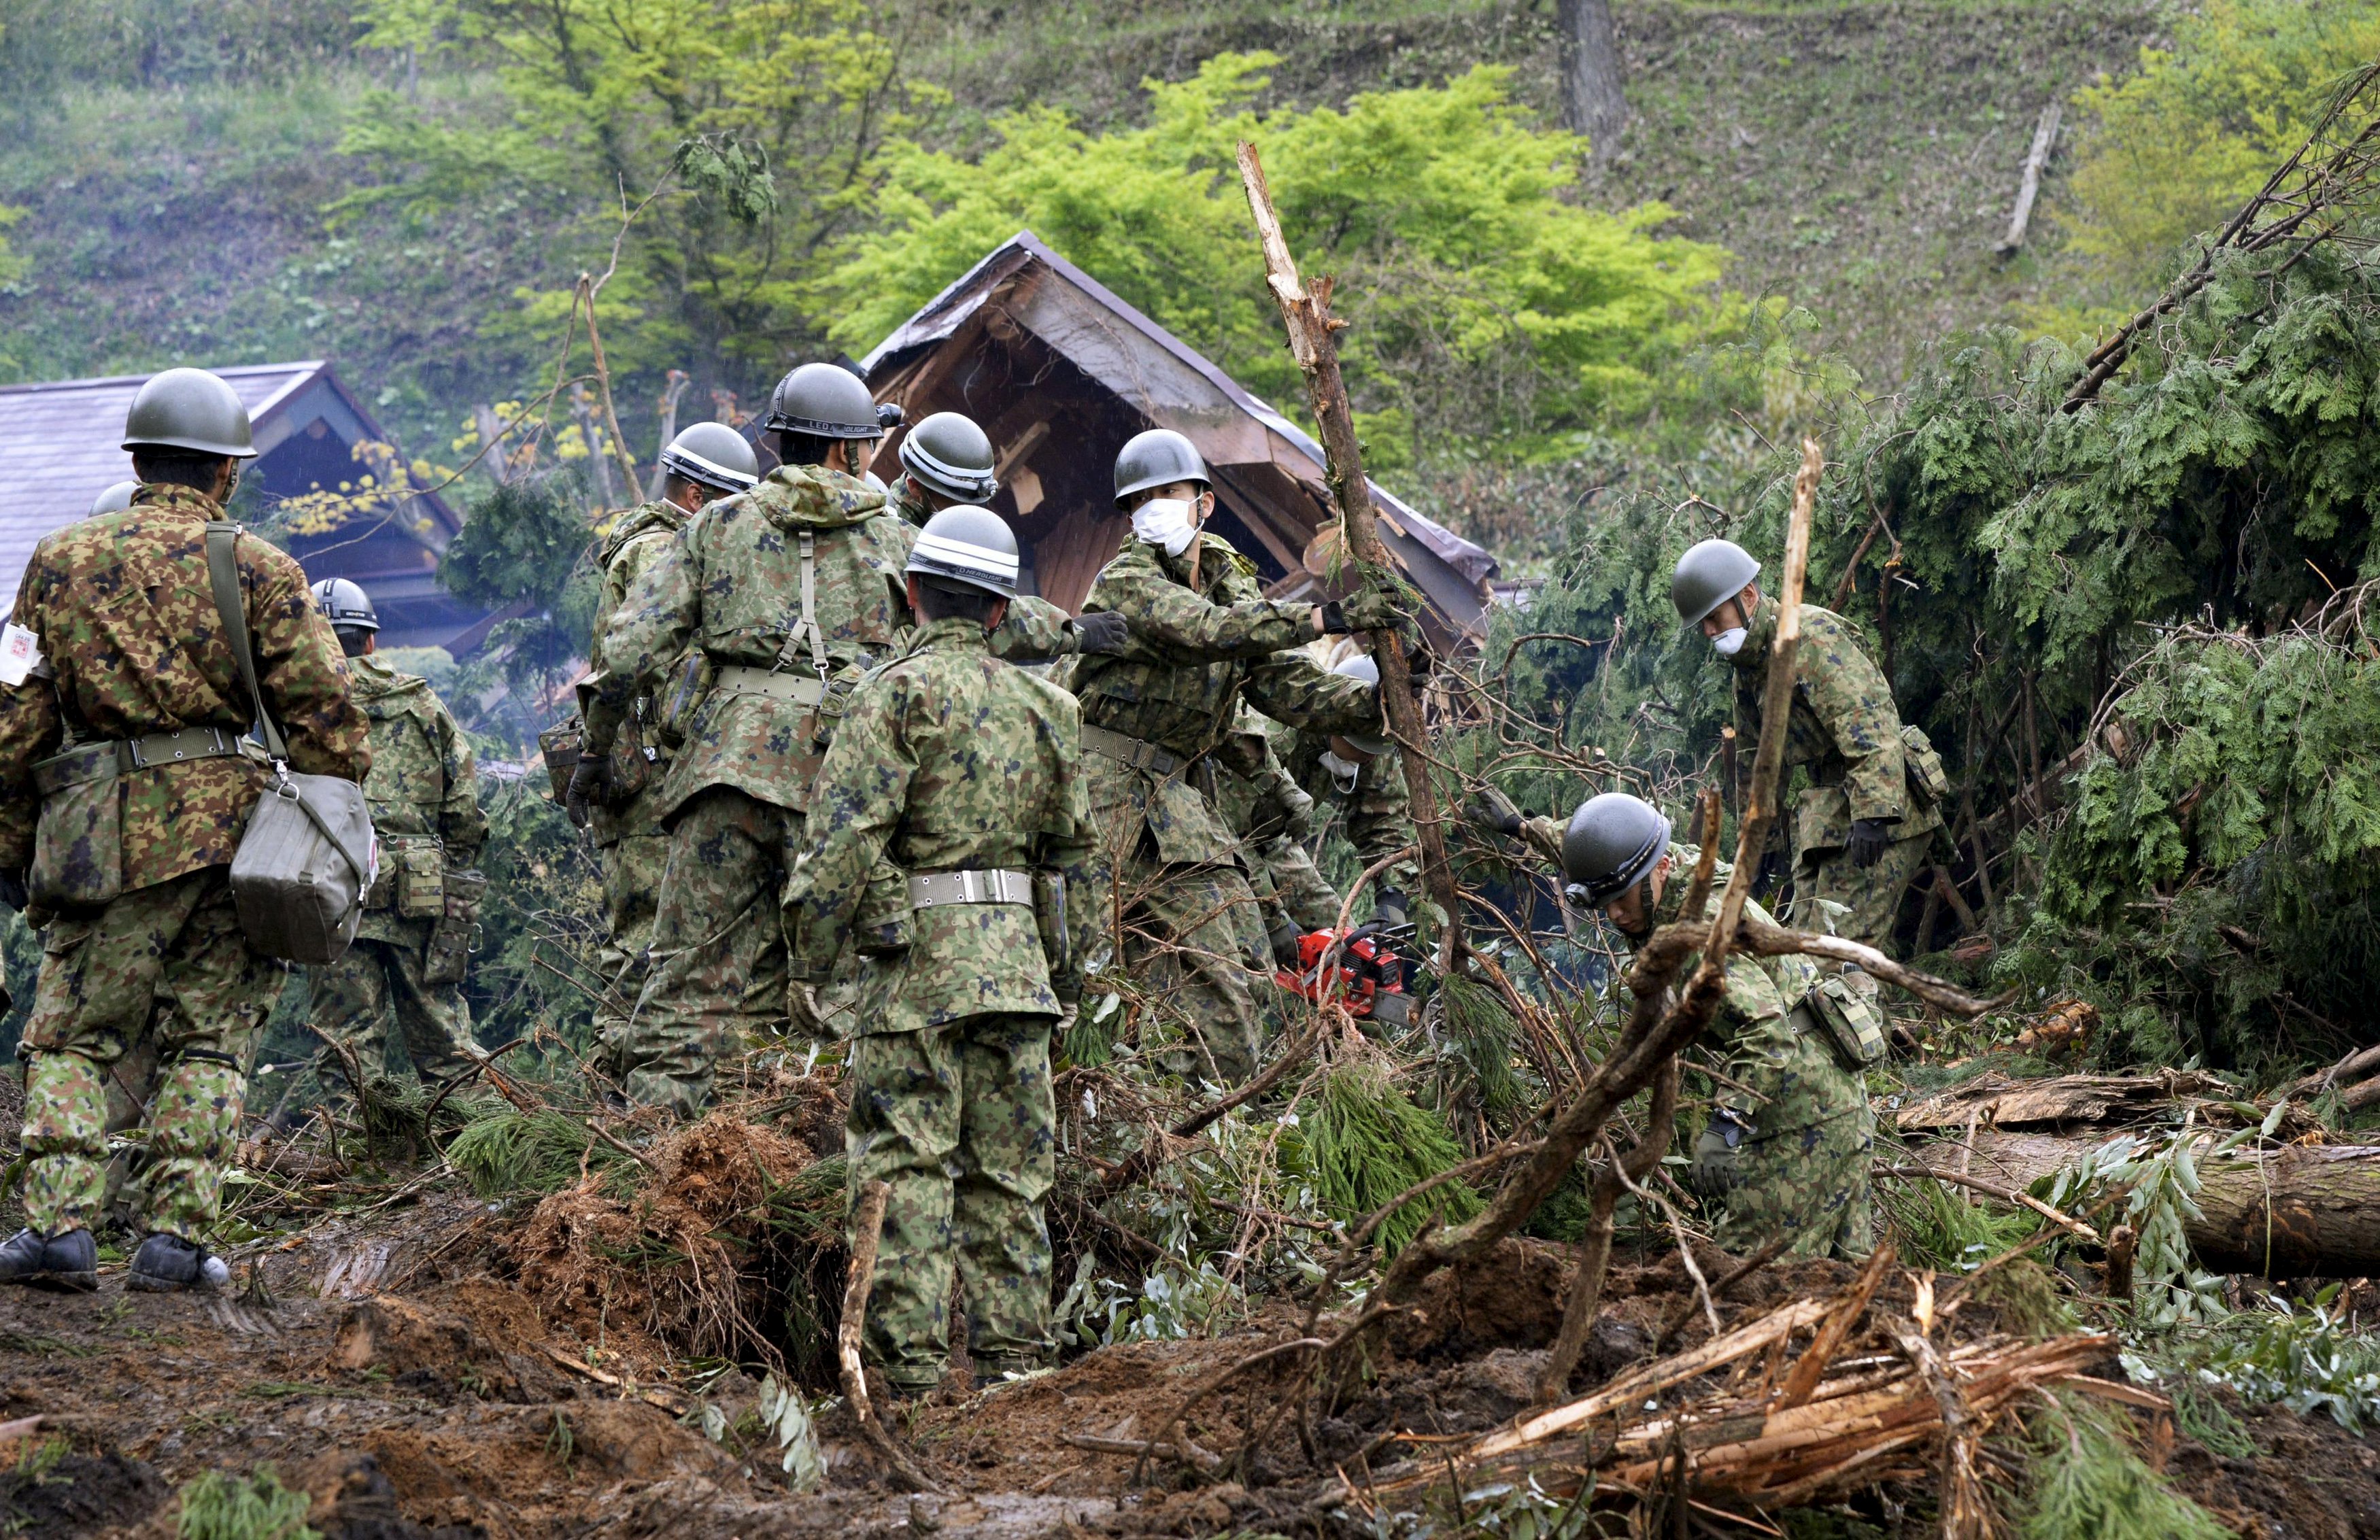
x=683 y=697
x=1927 y=779
x=457 y=934
x=1848 y=1020
x=299 y=877
x=421 y=885
x=561 y=745
x=79 y=843
x=633 y=763
x=884 y=924
x=1049 y=918
x=834 y=701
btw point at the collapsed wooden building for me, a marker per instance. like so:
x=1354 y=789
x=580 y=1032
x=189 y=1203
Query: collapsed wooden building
x=1059 y=371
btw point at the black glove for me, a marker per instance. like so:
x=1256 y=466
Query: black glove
x=1491 y=810
x=1100 y=631
x=1870 y=838
x=1284 y=936
x=12 y=891
x=1718 y=1154
x=586 y=789
x=1771 y=873
x=1389 y=909
x=1366 y=609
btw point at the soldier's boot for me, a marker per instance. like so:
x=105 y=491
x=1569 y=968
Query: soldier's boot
x=65 y=1261
x=992 y=1371
x=168 y=1264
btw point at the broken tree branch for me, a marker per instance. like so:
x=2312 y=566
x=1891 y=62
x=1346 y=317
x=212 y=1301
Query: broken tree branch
x=2045 y=133
x=1305 y=315
x=866 y=1234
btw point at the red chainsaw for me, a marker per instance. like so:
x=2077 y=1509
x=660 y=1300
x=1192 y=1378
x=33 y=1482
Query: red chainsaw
x=1364 y=973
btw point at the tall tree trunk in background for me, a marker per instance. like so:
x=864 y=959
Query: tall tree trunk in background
x=1594 y=79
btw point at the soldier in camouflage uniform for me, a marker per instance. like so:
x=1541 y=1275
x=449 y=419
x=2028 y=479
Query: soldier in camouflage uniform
x=1345 y=777
x=425 y=808
x=1791 y=1137
x=1866 y=823
x=1204 y=637
x=709 y=460
x=967 y=774
x=136 y=673
x=776 y=601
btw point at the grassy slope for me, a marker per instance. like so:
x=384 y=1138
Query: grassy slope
x=1859 y=157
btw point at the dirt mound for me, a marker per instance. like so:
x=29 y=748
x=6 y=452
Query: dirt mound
x=58 y=1496
x=666 y=1271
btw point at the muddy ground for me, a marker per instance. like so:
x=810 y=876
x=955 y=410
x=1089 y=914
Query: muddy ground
x=386 y=1365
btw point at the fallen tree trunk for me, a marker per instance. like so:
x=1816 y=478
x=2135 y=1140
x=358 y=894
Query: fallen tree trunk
x=2301 y=1211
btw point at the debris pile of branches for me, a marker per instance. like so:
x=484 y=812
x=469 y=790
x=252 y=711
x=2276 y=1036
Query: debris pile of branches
x=1870 y=1398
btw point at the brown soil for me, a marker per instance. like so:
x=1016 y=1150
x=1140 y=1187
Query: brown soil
x=439 y=1372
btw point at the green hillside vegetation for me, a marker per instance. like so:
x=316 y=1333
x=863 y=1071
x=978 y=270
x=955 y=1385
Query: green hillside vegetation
x=413 y=196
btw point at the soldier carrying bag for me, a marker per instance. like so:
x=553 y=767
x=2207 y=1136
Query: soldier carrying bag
x=308 y=857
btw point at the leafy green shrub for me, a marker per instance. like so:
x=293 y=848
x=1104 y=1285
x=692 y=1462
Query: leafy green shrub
x=2086 y=1480
x=1492 y=301
x=506 y=1151
x=217 y=1507
x=1364 y=1141
x=2307 y=1358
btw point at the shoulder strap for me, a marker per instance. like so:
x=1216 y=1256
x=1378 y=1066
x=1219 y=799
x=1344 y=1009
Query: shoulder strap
x=223 y=574
x=809 y=622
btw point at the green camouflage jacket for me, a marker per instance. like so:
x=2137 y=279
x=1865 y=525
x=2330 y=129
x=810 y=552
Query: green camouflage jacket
x=1191 y=658
x=423 y=781
x=948 y=759
x=731 y=585
x=637 y=541
x=907 y=499
x=1844 y=727
x=1374 y=813
x=1765 y=1047
x=131 y=645
x=1377 y=811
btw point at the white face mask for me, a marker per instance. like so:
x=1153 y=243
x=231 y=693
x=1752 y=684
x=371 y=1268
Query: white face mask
x=1729 y=642
x=1342 y=775
x=1165 y=521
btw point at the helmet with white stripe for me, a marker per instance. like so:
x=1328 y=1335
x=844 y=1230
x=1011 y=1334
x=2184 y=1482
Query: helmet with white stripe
x=968 y=545
x=714 y=456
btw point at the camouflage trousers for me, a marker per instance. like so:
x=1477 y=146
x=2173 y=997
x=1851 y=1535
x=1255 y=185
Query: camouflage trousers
x=1872 y=897
x=168 y=960
x=1287 y=879
x=958 y=1121
x=380 y=977
x=1803 y=1170
x=633 y=868
x=1194 y=940
x=719 y=976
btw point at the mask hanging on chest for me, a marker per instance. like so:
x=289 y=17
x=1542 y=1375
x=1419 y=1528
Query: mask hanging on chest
x=1165 y=521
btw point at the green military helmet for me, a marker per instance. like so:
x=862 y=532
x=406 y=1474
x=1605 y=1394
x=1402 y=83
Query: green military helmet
x=826 y=401
x=968 y=545
x=114 y=499
x=1613 y=840
x=714 y=456
x=1362 y=668
x=1708 y=576
x=1157 y=458
x=950 y=457
x=345 y=605
x=189 y=408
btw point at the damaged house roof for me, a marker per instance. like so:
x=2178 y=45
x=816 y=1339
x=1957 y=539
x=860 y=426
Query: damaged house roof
x=61 y=441
x=1059 y=372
